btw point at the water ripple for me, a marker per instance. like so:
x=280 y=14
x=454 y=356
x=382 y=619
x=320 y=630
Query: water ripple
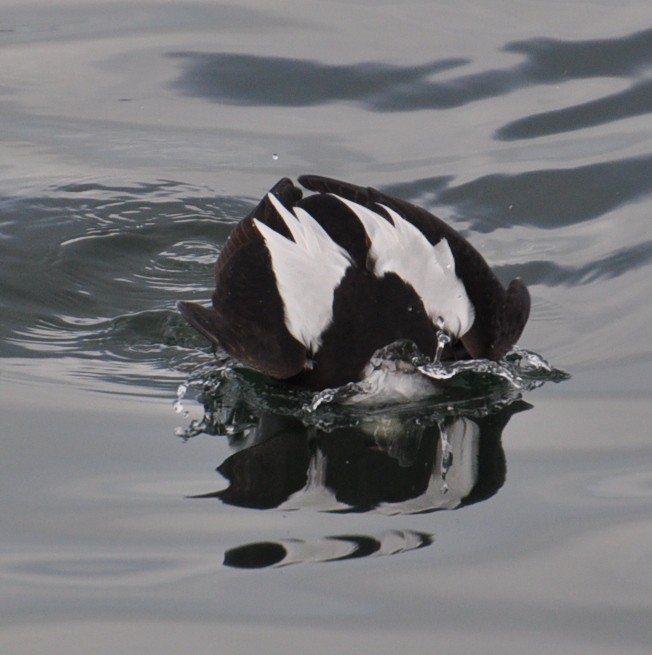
x=278 y=81
x=612 y=265
x=106 y=267
x=550 y=199
x=634 y=101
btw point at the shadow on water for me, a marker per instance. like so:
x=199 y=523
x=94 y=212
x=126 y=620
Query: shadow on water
x=258 y=80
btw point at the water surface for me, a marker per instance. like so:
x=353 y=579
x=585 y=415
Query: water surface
x=133 y=138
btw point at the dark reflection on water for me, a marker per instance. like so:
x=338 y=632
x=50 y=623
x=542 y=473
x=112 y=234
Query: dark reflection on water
x=337 y=548
x=291 y=453
x=258 y=80
x=635 y=101
x=548 y=199
x=615 y=264
x=554 y=60
x=253 y=80
x=389 y=460
x=395 y=464
x=552 y=198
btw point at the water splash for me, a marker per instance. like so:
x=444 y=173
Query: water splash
x=523 y=369
x=330 y=396
x=234 y=398
x=178 y=405
x=443 y=339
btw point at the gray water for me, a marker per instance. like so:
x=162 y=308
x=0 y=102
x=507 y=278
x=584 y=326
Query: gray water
x=132 y=138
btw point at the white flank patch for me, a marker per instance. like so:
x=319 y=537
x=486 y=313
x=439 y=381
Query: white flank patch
x=430 y=270
x=307 y=271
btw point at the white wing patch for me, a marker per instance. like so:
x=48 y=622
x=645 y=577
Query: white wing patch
x=430 y=270
x=307 y=271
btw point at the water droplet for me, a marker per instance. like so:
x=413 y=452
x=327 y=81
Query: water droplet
x=275 y=156
x=443 y=339
x=180 y=409
x=446 y=456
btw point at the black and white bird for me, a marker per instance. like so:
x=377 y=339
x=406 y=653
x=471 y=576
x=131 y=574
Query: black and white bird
x=308 y=289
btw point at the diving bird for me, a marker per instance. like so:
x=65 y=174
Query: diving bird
x=309 y=288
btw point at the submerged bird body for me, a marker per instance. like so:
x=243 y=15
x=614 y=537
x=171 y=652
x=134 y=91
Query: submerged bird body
x=308 y=289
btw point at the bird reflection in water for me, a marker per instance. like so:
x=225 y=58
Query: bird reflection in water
x=391 y=463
